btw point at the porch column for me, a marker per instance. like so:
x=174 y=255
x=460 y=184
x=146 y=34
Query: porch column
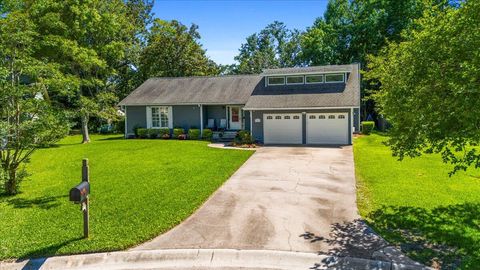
x=251 y=123
x=201 y=118
x=226 y=117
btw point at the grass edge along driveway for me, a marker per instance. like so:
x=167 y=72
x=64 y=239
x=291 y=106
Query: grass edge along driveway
x=139 y=189
x=415 y=205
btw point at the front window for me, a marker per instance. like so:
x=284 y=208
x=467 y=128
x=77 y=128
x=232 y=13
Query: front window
x=334 y=78
x=160 y=117
x=295 y=80
x=156 y=117
x=314 y=79
x=276 y=80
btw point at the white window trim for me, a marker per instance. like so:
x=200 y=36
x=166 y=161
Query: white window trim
x=302 y=76
x=342 y=81
x=322 y=75
x=284 y=80
x=149 y=117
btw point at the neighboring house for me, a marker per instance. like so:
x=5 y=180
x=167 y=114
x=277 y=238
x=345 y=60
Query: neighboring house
x=311 y=105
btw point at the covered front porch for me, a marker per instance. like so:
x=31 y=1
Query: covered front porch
x=221 y=118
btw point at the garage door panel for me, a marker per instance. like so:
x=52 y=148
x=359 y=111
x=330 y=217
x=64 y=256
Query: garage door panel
x=327 y=128
x=282 y=128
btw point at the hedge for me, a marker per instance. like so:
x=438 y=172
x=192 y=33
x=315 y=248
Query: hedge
x=194 y=134
x=367 y=127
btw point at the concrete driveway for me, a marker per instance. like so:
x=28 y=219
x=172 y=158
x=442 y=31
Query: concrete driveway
x=283 y=198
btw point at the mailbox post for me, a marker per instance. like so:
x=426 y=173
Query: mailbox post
x=79 y=194
x=85 y=178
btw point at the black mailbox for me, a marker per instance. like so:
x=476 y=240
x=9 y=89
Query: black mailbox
x=79 y=193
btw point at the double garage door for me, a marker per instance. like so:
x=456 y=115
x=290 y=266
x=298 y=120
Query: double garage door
x=320 y=128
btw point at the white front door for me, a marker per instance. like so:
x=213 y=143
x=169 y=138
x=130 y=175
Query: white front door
x=235 y=121
x=282 y=128
x=327 y=128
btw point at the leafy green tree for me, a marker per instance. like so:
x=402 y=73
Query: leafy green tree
x=350 y=30
x=173 y=50
x=88 y=40
x=273 y=47
x=27 y=120
x=127 y=76
x=430 y=86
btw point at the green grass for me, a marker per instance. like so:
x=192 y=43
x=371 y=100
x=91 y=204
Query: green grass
x=139 y=189
x=414 y=204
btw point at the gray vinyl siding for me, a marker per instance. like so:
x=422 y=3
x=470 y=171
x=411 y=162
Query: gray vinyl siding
x=136 y=116
x=246 y=119
x=186 y=116
x=257 y=131
x=356 y=119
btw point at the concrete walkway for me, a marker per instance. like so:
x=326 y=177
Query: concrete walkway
x=299 y=199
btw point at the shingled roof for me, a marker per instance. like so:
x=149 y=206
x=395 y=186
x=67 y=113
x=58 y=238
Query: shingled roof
x=251 y=90
x=309 y=95
x=194 y=90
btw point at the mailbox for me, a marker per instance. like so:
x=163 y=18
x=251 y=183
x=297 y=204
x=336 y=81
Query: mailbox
x=80 y=193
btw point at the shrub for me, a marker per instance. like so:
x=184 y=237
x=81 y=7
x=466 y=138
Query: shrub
x=177 y=132
x=135 y=130
x=142 y=133
x=164 y=131
x=153 y=133
x=194 y=134
x=182 y=137
x=207 y=134
x=119 y=126
x=367 y=127
x=244 y=137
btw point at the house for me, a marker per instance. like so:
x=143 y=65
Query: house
x=308 y=105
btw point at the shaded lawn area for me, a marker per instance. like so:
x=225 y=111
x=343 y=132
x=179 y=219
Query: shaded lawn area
x=140 y=188
x=414 y=204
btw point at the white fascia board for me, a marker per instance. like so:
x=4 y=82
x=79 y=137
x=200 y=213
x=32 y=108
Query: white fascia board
x=306 y=73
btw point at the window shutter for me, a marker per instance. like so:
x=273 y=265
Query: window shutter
x=149 y=117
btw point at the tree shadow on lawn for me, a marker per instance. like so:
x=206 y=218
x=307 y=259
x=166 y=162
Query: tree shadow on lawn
x=445 y=236
x=36 y=258
x=116 y=138
x=43 y=202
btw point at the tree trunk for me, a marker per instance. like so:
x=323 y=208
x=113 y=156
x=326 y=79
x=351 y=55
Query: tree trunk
x=11 y=182
x=86 y=137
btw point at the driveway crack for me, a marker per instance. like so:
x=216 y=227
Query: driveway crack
x=289 y=234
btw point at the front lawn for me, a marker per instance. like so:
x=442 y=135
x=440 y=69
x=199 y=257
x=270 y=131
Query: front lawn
x=140 y=188
x=434 y=218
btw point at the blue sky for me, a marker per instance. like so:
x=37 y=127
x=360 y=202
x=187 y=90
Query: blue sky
x=224 y=25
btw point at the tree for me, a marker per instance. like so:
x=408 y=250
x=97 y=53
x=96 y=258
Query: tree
x=273 y=47
x=350 y=30
x=430 y=86
x=27 y=120
x=173 y=50
x=89 y=41
x=127 y=76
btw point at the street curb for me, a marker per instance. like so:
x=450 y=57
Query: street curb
x=204 y=259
